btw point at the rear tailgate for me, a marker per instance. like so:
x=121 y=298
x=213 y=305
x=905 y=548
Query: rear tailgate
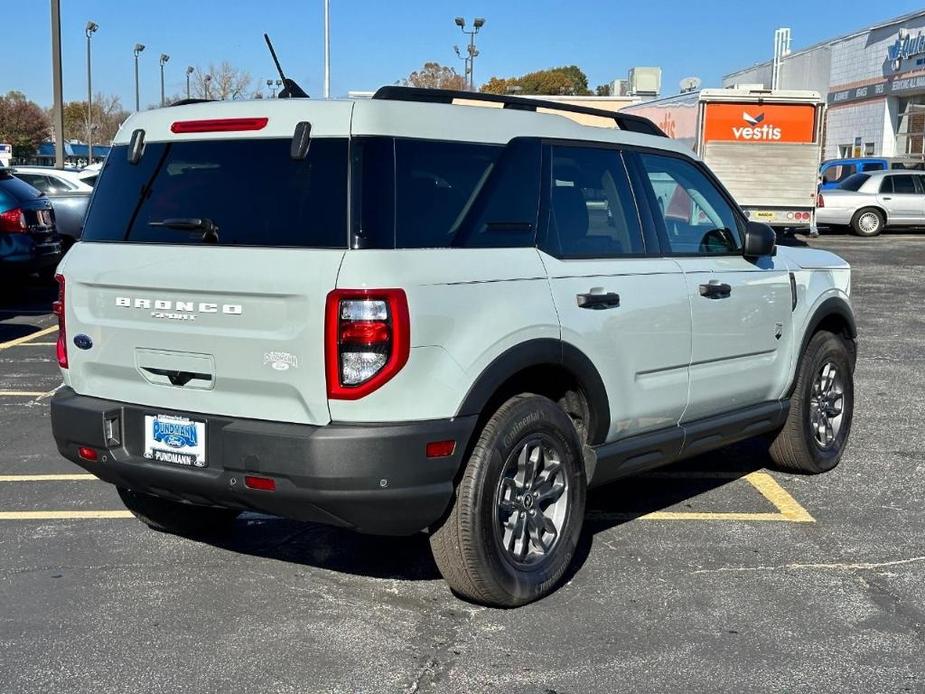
x=202 y=279
x=244 y=325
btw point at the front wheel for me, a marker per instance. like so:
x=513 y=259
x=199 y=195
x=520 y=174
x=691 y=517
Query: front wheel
x=821 y=408
x=514 y=526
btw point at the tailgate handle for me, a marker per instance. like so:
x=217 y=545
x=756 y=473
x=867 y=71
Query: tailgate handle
x=178 y=378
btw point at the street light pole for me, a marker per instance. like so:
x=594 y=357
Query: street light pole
x=205 y=80
x=327 y=49
x=139 y=47
x=58 y=89
x=471 y=51
x=189 y=71
x=164 y=59
x=90 y=30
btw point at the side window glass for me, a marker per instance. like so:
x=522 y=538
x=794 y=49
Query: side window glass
x=436 y=184
x=873 y=166
x=592 y=211
x=697 y=219
x=886 y=185
x=830 y=175
x=36 y=181
x=904 y=185
x=503 y=213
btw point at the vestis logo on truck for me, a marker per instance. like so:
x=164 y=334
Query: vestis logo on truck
x=178 y=310
x=755 y=129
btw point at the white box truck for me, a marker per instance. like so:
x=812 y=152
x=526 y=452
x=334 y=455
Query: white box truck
x=765 y=146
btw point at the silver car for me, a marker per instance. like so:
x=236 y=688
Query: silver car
x=868 y=202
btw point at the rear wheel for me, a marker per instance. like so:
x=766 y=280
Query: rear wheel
x=513 y=528
x=868 y=222
x=821 y=408
x=178 y=518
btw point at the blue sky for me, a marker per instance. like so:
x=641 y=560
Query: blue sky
x=376 y=42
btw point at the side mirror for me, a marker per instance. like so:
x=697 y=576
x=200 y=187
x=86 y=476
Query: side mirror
x=760 y=240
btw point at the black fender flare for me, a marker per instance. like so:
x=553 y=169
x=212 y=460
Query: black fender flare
x=542 y=352
x=833 y=306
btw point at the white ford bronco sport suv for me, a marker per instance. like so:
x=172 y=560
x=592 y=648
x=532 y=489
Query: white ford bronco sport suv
x=406 y=314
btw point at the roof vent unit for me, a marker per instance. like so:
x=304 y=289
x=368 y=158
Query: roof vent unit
x=619 y=87
x=645 y=81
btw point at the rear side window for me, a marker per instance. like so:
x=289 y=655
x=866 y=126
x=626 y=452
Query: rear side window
x=874 y=166
x=886 y=185
x=252 y=190
x=592 y=211
x=838 y=173
x=431 y=194
x=854 y=182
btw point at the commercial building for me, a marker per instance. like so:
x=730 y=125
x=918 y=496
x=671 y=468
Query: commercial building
x=873 y=81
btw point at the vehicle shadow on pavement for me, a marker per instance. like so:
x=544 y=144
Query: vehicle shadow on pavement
x=24 y=297
x=409 y=558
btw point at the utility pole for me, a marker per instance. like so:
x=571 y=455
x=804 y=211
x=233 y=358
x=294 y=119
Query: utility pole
x=90 y=30
x=164 y=59
x=139 y=47
x=189 y=71
x=327 y=49
x=58 y=97
x=471 y=51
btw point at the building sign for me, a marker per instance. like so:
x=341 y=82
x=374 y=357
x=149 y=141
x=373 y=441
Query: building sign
x=895 y=85
x=905 y=47
x=724 y=122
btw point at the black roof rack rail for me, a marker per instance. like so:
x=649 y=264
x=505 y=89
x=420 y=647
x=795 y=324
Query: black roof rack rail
x=184 y=102
x=624 y=121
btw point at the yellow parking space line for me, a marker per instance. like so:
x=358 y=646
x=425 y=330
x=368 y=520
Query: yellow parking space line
x=777 y=495
x=62 y=515
x=788 y=509
x=22 y=393
x=28 y=338
x=38 y=344
x=63 y=477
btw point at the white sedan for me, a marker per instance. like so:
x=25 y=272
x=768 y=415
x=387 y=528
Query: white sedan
x=869 y=202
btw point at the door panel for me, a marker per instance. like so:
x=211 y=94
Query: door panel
x=742 y=342
x=641 y=347
x=902 y=199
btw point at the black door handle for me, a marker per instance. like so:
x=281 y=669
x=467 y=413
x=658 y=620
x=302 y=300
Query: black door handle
x=715 y=290
x=598 y=302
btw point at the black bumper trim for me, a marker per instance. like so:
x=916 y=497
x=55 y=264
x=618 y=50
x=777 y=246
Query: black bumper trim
x=374 y=478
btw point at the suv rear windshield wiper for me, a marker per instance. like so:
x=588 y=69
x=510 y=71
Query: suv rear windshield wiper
x=207 y=226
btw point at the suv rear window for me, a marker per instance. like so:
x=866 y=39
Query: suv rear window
x=252 y=190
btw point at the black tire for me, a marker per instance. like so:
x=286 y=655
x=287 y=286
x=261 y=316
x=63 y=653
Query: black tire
x=797 y=447
x=469 y=547
x=868 y=221
x=176 y=517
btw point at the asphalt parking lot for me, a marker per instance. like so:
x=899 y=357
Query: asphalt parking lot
x=713 y=575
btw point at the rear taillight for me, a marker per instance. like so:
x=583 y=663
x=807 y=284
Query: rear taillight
x=367 y=340
x=820 y=201
x=13 y=221
x=58 y=309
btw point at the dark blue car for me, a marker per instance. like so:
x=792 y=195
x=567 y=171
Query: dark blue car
x=29 y=241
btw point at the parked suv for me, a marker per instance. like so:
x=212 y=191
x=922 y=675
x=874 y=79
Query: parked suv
x=423 y=315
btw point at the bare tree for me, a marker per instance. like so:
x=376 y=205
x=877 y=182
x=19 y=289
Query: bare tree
x=223 y=81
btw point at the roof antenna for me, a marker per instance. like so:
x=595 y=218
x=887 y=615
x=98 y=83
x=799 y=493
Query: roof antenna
x=290 y=89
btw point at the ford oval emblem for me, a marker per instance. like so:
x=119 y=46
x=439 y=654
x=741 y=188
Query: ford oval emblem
x=83 y=341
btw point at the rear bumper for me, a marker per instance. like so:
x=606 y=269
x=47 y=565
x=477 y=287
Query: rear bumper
x=24 y=253
x=374 y=478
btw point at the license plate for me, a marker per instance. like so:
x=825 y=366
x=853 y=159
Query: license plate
x=175 y=440
x=762 y=214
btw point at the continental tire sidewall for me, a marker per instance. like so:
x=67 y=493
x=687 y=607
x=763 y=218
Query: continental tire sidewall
x=528 y=417
x=823 y=348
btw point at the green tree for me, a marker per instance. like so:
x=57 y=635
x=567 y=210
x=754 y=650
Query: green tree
x=602 y=90
x=436 y=76
x=566 y=80
x=23 y=124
